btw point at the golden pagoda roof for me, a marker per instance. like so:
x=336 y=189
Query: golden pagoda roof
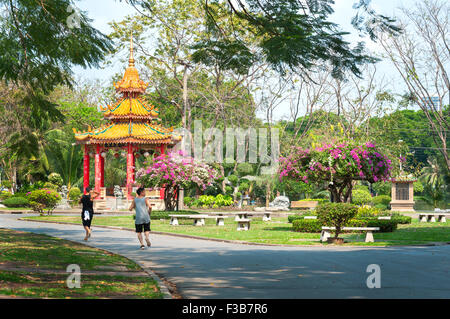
x=140 y=132
x=130 y=81
x=130 y=107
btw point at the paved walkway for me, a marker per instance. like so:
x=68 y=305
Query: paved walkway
x=210 y=269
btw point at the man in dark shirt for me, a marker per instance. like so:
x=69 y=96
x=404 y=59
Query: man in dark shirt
x=87 y=212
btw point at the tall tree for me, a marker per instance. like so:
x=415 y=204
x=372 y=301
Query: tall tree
x=421 y=56
x=40 y=41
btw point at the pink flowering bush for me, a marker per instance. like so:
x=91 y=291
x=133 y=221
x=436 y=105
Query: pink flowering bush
x=338 y=165
x=43 y=199
x=174 y=171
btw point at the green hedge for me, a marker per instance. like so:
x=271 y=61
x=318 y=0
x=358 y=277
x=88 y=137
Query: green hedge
x=16 y=202
x=381 y=199
x=386 y=226
x=307 y=225
x=402 y=219
x=315 y=226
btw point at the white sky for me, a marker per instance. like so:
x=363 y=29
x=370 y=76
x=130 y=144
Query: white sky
x=104 y=11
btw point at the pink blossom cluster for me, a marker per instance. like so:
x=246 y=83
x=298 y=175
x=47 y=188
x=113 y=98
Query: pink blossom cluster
x=337 y=161
x=176 y=169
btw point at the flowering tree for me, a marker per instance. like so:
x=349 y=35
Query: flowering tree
x=337 y=164
x=43 y=199
x=174 y=171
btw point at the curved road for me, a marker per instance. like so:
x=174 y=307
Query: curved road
x=210 y=269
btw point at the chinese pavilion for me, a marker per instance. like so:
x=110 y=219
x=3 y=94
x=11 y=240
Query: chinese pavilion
x=132 y=126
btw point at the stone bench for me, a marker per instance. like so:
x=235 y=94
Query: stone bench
x=199 y=220
x=325 y=234
x=243 y=224
x=265 y=215
x=431 y=217
x=310 y=217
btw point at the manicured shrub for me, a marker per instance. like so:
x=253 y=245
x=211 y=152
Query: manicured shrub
x=381 y=199
x=233 y=179
x=16 y=202
x=221 y=201
x=381 y=206
x=4 y=195
x=188 y=201
x=336 y=215
x=368 y=211
x=74 y=196
x=6 y=184
x=291 y=218
x=307 y=225
x=50 y=186
x=244 y=169
x=228 y=190
x=43 y=199
x=243 y=187
x=386 y=226
x=55 y=179
x=361 y=197
x=402 y=219
x=159 y=214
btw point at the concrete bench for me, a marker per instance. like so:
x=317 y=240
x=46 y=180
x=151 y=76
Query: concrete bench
x=243 y=224
x=199 y=220
x=384 y=217
x=310 y=217
x=325 y=234
x=265 y=215
x=431 y=217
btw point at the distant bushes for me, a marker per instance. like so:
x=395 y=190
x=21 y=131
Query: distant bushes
x=209 y=201
x=16 y=202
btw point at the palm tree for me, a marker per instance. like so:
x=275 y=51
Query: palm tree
x=64 y=157
x=433 y=178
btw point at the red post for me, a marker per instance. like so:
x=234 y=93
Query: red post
x=85 y=169
x=162 y=189
x=130 y=169
x=97 y=169
x=102 y=170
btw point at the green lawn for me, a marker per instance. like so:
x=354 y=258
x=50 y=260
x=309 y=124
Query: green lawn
x=278 y=231
x=33 y=265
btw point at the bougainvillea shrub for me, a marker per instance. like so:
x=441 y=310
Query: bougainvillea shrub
x=338 y=165
x=43 y=199
x=174 y=171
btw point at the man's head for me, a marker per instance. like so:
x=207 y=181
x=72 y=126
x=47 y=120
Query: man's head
x=88 y=189
x=140 y=191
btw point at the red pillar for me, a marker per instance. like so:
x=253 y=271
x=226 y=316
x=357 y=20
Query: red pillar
x=97 y=169
x=162 y=189
x=130 y=169
x=85 y=169
x=102 y=170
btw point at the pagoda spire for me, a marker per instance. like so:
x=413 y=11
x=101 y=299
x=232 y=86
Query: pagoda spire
x=131 y=59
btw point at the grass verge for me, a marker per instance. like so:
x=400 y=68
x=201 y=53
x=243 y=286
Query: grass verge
x=34 y=265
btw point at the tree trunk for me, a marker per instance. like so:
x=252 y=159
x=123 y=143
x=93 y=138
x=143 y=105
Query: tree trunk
x=170 y=198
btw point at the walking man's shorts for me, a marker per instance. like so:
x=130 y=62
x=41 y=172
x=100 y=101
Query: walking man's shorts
x=145 y=227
